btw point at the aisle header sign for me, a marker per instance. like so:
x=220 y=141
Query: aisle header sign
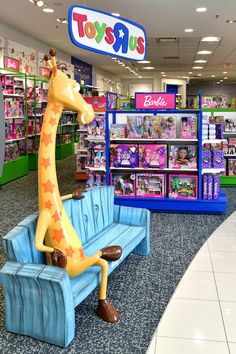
x=103 y=33
x=155 y=100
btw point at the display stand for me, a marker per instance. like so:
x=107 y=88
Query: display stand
x=166 y=204
x=66 y=135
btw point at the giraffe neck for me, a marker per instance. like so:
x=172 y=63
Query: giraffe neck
x=47 y=178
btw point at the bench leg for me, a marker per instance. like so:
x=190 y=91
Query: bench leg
x=143 y=248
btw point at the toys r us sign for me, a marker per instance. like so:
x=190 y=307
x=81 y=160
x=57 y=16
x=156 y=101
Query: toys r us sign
x=103 y=33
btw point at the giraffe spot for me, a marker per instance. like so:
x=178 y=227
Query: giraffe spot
x=48 y=204
x=58 y=235
x=47 y=139
x=45 y=162
x=48 y=187
x=69 y=251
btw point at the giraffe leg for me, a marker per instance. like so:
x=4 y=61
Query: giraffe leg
x=105 y=310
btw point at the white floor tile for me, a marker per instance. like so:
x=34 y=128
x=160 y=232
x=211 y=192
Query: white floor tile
x=202 y=261
x=224 y=261
x=232 y=348
x=216 y=243
x=197 y=285
x=227 y=229
x=152 y=346
x=188 y=346
x=226 y=286
x=193 y=319
x=229 y=316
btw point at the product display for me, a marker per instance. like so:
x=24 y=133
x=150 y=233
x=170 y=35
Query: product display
x=183 y=156
x=150 y=185
x=124 y=155
x=124 y=184
x=183 y=186
x=211 y=186
x=152 y=155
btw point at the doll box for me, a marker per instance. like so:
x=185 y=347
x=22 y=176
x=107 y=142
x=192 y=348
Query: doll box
x=123 y=155
x=183 y=157
x=152 y=155
x=168 y=127
x=232 y=167
x=183 y=186
x=124 y=184
x=134 y=126
x=150 y=185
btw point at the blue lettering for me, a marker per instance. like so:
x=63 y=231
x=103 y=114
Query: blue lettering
x=121 y=34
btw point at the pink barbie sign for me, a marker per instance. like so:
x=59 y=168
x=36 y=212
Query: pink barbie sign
x=11 y=63
x=155 y=100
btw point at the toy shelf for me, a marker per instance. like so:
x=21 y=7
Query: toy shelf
x=163 y=204
x=64 y=150
x=212 y=170
x=14 y=169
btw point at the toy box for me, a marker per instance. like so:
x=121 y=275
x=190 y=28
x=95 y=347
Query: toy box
x=183 y=186
x=188 y=127
x=225 y=146
x=117 y=131
x=215 y=102
x=124 y=184
x=152 y=127
x=230 y=125
x=232 y=146
x=217 y=158
x=134 y=127
x=123 y=155
x=183 y=156
x=151 y=155
x=206 y=158
x=232 y=167
x=150 y=185
x=168 y=127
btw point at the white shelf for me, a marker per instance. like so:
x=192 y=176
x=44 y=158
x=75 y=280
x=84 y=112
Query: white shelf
x=96 y=139
x=154 y=169
x=230 y=133
x=14 y=117
x=16 y=139
x=67 y=125
x=96 y=168
x=212 y=170
x=229 y=155
x=141 y=140
x=82 y=150
x=82 y=130
x=12 y=95
x=35 y=115
x=212 y=141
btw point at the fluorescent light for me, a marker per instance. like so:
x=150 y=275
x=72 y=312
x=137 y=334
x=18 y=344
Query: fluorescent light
x=225 y=78
x=201 y=9
x=149 y=67
x=231 y=21
x=163 y=75
x=40 y=3
x=225 y=72
x=210 y=39
x=221 y=80
x=204 y=52
x=199 y=74
x=63 y=20
x=213 y=76
x=185 y=77
x=144 y=62
x=190 y=72
x=48 y=10
x=218 y=82
x=188 y=30
x=200 y=61
x=123 y=64
x=140 y=77
x=115 y=14
x=163 y=72
x=197 y=67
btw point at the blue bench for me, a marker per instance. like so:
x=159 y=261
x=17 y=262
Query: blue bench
x=40 y=300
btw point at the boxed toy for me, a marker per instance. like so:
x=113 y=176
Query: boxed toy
x=117 y=131
x=206 y=158
x=232 y=167
x=124 y=184
x=168 y=127
x=134 y=127
x=150 y=185
x=183 y=156
x=226 y=146
x=215 y=102
x=123 y=155
x=152 y=127
x=183 y=186
x=217 y=158
x=232 y=146
x=188 y=127
x=230 y=125
x=152 y=155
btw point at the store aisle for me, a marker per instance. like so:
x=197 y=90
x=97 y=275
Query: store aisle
x=201 y=316
x=140 y=288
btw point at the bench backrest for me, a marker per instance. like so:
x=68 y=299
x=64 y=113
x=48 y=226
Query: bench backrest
x=89 y=216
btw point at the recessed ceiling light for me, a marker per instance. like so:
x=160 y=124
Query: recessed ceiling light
x=163 y=75
x=185 y=77
x=115 y=14
x=213 y=76
x=149 y=67
x=48 y=10
x=190 y=72
x=123 y=64
x=199 y=74
x=204 y=52
x=231 y=21
x=218 y=82
x=201 y=9
x=225 y=78
x=62 y=20
x=188 y=30
x=162 y=72
x=40 y=3
x=144 y=62
x=140 y=77
x=197 y=67
x=200 y=61
x=210 y=39
x=225 y=72
x=221 y=80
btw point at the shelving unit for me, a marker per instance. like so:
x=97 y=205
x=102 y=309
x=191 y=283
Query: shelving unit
x=165 y=204
x=66 y=134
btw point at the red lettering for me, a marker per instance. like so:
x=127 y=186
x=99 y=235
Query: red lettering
x=80 y=19
x=140 y=46
x=109 y=38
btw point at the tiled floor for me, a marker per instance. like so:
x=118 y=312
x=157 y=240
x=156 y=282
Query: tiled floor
x=201 y=316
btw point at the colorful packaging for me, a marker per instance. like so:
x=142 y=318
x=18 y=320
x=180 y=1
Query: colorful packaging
x=209 y=187
x=123 y=155
x=232 y=167
x=150 y=185
x=188 y=128
x=206 y=158
x=118 y=131
x=232 y=146
x=152 y=155
x=152 y=127
x=183 y=186
x=225 y=146
x=183 y=156
x=230 y=125
x=168 y=127
x=205 y=187
x=134 y=127
x=124 y=184
x=219 y=131
x=216 y=186
x=215 y=102
x=218 y=158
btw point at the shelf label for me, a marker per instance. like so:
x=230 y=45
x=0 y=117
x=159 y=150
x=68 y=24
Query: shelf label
x=11 y=63
x=103 y=33
x=155 y=100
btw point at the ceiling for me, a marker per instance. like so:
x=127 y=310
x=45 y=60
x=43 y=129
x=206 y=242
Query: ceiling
x=162 y=19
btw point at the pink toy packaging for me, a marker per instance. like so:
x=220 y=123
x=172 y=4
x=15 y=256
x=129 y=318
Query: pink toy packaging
x=183 y=156
x=134 y=127
x=151 y=127
x=168 y=128
x=124 y=184
x=118 y=131
x=188 y=129
x=183 y=186
x=232 y=167
x=150 y=185
x=152 y=156
x=92 y=128
x=124 y=155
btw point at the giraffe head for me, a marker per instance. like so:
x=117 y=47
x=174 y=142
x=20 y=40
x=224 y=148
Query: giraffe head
x=65 y=91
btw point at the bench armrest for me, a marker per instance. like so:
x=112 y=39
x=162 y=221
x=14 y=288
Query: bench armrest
x=39 y=302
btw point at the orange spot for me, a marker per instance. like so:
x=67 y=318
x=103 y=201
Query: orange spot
x=26 y=68
x=47 y=139
x=56 y=216
x=48 y=187
x=45 y=162
x=69 y=251
x=81 y=252
x=58 y=235
x=56 y=108
x=53 y=121
x=48 y=204
x=54 y=70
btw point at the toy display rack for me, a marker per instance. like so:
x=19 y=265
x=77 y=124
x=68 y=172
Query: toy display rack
x=226 y=181
x=165 y=204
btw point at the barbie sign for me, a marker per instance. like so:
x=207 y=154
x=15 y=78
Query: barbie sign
x=155 y=100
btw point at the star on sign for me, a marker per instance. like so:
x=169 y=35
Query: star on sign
x=121 y=33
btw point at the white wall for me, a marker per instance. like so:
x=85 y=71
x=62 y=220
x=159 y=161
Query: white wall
x=211 y=88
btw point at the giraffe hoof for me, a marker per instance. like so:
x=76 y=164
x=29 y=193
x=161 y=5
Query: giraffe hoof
x=111 y=253
x=58 y=258
x=107 y=312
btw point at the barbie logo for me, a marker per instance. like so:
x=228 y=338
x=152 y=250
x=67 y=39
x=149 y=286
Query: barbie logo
x=11 y=63
x=160 y=102
x=154 y=100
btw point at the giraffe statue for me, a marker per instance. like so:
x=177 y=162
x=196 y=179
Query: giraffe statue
x=55 y=234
